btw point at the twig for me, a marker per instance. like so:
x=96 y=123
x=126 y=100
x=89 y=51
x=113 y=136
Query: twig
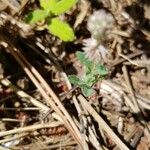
x=139 y=62
x=137 y=109
x=30 y=128
x=94 y=140
x=49 y=59
x=84 y=7
x=62 y=138
x=13 y=5
x=11 y=120
x=137 y=138
x=84 y=124
x=75 y=130
x=128 y=136
x=127 y=58
x=120 y=125
x=60 y=145
x=92 y=136
x=113 y=5
x=130 y=89
x=45 y=90
x=18 y=108
x=26 y=28
x=4 y=148
x=102 y=123
x=121 y=33
x=13 y=138
x=22 y=94
x=121 y=60
x=117 y=92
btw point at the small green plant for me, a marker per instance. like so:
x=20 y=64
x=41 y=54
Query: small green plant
x=49 y=11
x=93 y=73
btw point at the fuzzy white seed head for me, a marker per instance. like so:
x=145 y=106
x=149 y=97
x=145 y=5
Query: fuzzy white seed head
x=93 y=50
x=99 y=22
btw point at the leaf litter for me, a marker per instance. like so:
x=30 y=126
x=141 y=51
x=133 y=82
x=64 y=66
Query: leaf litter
x=41 y=109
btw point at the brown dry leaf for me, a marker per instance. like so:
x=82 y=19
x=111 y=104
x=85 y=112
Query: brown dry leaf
x=147 y=12
x=3 y=5
x=144 y=144
x=14 y=5
x=84 y=6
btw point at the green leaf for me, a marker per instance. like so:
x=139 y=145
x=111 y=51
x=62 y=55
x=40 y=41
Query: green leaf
x=63 y=6
x=101 y=70
x=36 y=16
x=83 y=59
x=48 y=4
x=87 y=91
x=89 y=79
x=74 y=79
x=61 y=30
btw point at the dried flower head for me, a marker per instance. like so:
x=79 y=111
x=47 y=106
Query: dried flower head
x=99 y=23
x=93 y=50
